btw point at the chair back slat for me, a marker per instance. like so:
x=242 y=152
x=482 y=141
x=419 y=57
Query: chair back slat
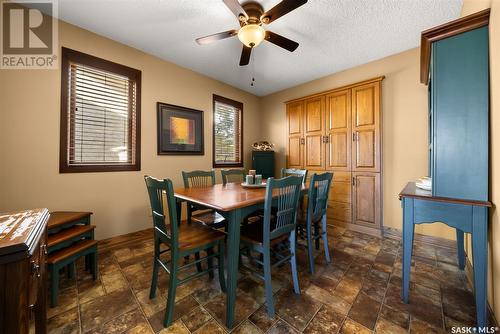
x=285 y=204
x=319 y=189
x=198 y=179
x=232 y=175
x=294 y=172
x=161 y=191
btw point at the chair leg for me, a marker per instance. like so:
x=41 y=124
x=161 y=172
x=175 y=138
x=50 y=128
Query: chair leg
x=198 y=264
x=154 y=278
x=172 y=287
x=210 y=262
x=268 y=282
x=54 y=285
x=310 y=250
x=220 y=263
x=316 y=233
x=293 y=262
x=325 y=240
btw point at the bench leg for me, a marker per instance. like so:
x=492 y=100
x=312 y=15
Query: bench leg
x=70 y=268
x=54 y=285
x=93 y=265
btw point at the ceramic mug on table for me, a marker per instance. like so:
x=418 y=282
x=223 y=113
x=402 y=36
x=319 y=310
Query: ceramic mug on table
x=258 y=179
x=249 y=179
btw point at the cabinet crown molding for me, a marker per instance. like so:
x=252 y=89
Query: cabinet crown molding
x=452 y=28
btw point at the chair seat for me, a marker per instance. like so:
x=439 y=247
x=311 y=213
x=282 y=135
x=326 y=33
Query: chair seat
x=209 y=218
x=196 y=234
x=254 y=233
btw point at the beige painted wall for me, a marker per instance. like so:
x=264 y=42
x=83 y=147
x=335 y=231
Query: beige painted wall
x=404 y=122
x=29 y=137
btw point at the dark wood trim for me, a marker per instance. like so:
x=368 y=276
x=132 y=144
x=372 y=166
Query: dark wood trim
x=159 y=127
x=411 y=191
x=235 y=104
x=329 y=91
x=135 y=75
x=461 y=25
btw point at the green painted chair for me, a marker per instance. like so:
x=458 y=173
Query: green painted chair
x=295 y=172
x=200 y=179
x=312 y=226
x=232 y=175
x=181 y=240
x=279 y=225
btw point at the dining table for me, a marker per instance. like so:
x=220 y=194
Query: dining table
x=234 y=202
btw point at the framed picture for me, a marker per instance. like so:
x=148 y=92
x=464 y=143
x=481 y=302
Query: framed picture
x=180 y=130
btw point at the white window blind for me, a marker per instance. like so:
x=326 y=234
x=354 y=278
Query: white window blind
x=227 y=134
x=102 y=119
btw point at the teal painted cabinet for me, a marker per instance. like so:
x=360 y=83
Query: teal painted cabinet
x=459 y=93
x=263 y=163
x=455 y=67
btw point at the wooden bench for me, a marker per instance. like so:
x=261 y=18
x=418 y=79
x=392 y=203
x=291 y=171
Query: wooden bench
x=70 y=237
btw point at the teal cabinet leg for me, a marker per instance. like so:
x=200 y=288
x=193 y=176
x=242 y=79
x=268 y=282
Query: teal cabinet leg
x=460 y=249
x=232 y=264
x=480 y=259
x=408 y=228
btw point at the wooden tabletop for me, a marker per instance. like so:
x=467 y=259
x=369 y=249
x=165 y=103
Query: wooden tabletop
x=224 y=197
x=412 y=191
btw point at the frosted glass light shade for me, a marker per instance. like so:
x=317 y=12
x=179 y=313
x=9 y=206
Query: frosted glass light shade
x=251 y=35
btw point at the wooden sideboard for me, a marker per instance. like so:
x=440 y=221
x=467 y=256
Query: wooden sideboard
x=23 y=274
x=340 y=130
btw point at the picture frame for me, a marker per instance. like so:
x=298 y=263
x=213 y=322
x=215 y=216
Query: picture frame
x=180 y=130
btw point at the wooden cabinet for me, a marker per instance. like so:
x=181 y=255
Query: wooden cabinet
x=340 y=130
x=23 y=275
x=295 y=135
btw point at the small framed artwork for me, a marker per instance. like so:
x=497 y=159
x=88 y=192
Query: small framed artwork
x=180 y=130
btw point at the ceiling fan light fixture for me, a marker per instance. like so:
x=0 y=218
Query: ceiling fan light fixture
x=251 y=35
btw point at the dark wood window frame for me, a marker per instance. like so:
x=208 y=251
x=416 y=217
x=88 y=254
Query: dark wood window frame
x=235 y=104
x=71 y=56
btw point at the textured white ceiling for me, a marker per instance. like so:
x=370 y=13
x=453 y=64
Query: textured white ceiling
x=333 y=34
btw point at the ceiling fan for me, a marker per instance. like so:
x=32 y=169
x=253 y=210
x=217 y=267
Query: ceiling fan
x=251 y=17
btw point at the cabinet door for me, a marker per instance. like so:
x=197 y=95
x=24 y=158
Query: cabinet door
x=338 y=130
x=295 y=143
x=366 y=199
x=366 y=127
x=339 y=199
x=314 y=119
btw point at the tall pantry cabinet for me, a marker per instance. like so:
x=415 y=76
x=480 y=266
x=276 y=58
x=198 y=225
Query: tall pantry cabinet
x=340 y=131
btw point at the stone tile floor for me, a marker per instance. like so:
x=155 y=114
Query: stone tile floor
x=359 y=292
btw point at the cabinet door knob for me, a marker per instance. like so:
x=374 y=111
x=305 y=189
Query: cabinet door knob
x=302 y=141
x=35 y=269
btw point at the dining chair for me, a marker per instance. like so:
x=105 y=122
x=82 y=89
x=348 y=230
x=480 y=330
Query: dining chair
x=295 y=172
x=181 y=240
x=278 y=225
x=200 y=179
x=308 y=224
x=232 y=174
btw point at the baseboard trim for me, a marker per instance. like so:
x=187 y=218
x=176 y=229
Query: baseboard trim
x=395 y=233
x=357 y=228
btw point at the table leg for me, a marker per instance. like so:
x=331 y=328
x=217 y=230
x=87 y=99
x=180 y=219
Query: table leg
x=232 y=264
x=408 y=228
x=480 y=259
x=460 y=249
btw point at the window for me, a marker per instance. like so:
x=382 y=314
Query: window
x=228 y=133
x=100 y=115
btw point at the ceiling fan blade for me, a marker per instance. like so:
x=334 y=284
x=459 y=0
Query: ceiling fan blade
x=283 y=8
x=281 y=41
x=216 y=37
x=245 y=55
x=236 y=8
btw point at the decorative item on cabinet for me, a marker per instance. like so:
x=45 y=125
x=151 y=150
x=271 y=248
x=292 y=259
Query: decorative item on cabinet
x=340 y=130
x=263 y=163
x=23 y=274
